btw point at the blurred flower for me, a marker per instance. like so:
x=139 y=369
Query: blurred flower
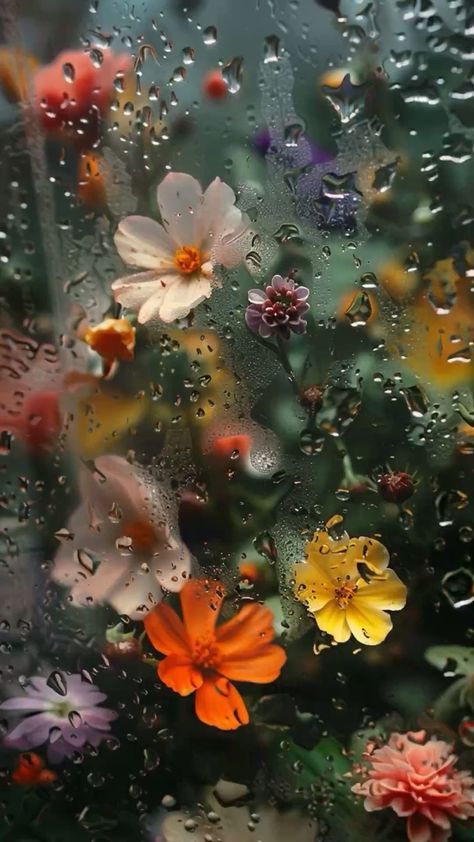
x=417 y=778
x=396 y=486
x=231 y=447
x=74 y=91
x=112 y=339
x=30 y=382
x=214 y=85
x=204 y=659
x=346 y=584
x=199 y=231
x=91 y=183
x=120 y=549
x=397 y=280
x=17 y=68
x=68 y=717
x=30 y=771
x=277 y=310
x=438 y=346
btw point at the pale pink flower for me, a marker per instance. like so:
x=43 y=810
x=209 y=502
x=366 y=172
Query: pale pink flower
x=118 y=548
x=417 y=778
x=198 y=231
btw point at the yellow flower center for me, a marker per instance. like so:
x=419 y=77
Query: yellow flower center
x=344 y=594
x=187 y=259
x=141 y=533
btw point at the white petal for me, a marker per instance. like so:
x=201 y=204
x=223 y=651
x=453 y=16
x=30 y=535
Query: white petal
x=172 y=565
x=183 y=295
x=179 y=200
x=136 y=594
x=218 y=212
x=151 y=307
x=133 y=290
x=142 y=242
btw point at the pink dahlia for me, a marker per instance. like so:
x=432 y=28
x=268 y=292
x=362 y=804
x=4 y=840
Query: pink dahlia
x=417 y=778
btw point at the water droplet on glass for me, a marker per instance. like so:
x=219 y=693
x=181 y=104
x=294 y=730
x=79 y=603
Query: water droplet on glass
x=232 y=74
x=360 y=310
x=69 y=72
x=209 y=35
x=57 y=682
x=458 y=587
x=271 y=48
x=416 y=400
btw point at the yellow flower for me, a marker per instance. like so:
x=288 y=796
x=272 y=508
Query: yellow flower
x=348 y=587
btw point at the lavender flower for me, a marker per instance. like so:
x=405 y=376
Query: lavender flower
x=277 y=310
x=67 y=717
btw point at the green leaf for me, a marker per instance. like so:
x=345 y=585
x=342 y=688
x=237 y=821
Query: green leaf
x=451 y=660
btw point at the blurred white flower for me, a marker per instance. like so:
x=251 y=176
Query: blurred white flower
x=118 y=547
x=199 y=231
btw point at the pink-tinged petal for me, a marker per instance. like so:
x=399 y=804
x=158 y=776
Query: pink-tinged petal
x=179 y=200
x=144 y=243
x=134 y=290
x=32 y=731
x=256 y=296
x=419 y=829
x=115 y=488
x=278 y=281
x=135 y=593
x=183 y=295
x=218 y=215
x=150 y=308
x=25 y=703
x=98 y=717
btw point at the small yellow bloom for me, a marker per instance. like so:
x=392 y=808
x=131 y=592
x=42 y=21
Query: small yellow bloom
x=113 y=339
x=348 y=587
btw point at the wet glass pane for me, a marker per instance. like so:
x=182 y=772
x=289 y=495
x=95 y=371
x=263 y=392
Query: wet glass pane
x=236 y=420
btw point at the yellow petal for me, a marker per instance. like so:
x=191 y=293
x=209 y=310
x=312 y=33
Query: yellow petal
x=389 y=593
x=368 y=625
x=332 y=619
x=370 y=552
x=313 y=586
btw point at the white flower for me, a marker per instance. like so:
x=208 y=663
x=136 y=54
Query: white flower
x=119 y=548
x=199 y=230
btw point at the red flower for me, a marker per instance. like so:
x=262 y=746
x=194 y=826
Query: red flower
x=214 y=85
x=30 y=771
x=73 y=93
x=417 y=778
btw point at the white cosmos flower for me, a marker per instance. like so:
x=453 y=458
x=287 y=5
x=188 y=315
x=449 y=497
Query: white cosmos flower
x=199 y=230
x=119 y=547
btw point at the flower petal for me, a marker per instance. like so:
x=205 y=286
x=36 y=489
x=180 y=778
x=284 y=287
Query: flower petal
x=251 y=628
x=201 y=601
x=182 y=295
x=179 y=200
x=369 y=551
x=142 y=242
x=171 y=565
x=389 y=593
x=332 y=619
x=179 y=674
x=166 y=631
x=313 y=586
x=219 y=704
x=368 y=625
x=134 y=290
x=260 y=668
x=150 y=309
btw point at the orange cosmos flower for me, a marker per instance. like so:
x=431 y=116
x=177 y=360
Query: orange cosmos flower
x=30 y=771
x=203 y=658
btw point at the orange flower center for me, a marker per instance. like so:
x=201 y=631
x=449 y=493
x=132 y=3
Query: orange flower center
x=206 y=653
x=344 y=594
x=187 y=259
x=141 y=533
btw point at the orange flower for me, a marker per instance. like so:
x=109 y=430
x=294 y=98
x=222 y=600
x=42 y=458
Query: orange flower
x=91 y=189
x=204 y=659
x=30 y=771
x=113 y=339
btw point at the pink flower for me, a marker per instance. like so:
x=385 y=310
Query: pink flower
x=199 y=230
x=417 y=778
x=119 y=548
x=73 y=92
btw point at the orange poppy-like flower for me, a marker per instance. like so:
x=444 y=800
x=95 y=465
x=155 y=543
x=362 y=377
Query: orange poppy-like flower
x=30 y=771
x=205 y=659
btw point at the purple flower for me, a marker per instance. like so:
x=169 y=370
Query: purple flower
x=277 y=310
x=67 y=718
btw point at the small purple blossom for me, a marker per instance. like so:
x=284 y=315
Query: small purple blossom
x=67 y=721
x=278 y=309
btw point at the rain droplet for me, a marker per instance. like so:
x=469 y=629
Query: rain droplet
x=416 y=400
x=57 y=682
x=209 y=35
x=271 y=49
x=232 y=74
x=360 y=310
x=69 y=72
x=75 y=718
